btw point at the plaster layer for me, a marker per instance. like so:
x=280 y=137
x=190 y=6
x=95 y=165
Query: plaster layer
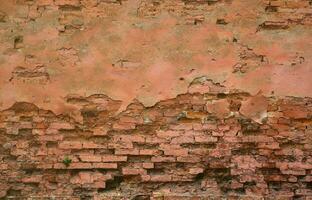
x=151 y=50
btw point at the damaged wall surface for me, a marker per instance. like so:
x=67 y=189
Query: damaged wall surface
x=155 y=99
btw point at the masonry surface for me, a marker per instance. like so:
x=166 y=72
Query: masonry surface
x=155 y=99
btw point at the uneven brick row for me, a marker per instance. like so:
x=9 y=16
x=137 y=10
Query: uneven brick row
x=213 y=144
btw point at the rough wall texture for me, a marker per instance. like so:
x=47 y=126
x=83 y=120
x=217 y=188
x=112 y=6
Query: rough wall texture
x=155 y=99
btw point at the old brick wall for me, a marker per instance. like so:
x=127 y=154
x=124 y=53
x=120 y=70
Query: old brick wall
x=155 y=99
x=196 y=145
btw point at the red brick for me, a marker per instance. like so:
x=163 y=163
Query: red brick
x=163 y=159
x=45 y=166
x=51 y=137
x=123 y=126
x=258 y=138
x=25 y=125
x=160 y=178
x=176 y=152
x=80 y=166
x=100 y=131
x=113 y=158
x=148 y=165
x=4 y=166
x=183 y=139
x=217 y=133
x=255 y=108
x=129 y=119
x=145 y=178
x=149 y=152
x=127 y=152
x=44 y=2
x=154 y=140
x=133 y=171
x=85 y=177
x=67 y=2
x=189 y=159
x=298 y=172
x=219 y=108
x=32 y=179
x=205 y=139
x=90 y=158
x=168 y=134
x=196 y=170
x=61 y=125
x=295 y=112
x=105 y=165
x=130 y=138
x=59 y=166
x=182 y=126
x=273 y=145
x=305 y=192
x=92 y=145
x=70 y=145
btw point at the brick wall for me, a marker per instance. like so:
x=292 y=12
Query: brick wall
x=198 y=63
x=195 y=145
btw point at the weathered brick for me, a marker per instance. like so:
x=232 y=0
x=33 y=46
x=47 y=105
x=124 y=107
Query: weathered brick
x=123 y=126
x=196 y=170
x=113 y=158
x=168 y=134
x=70 y=145
x=51 y=137
x=127 y=152
x=104 y=165
x=92 y=145
x=61 y=125
x=189 y=159
x=80 y=166
x=183 y=139
x=90 y=158
x=32 y=179
x=160 y=178
x=130 y=138
x=148 y=165
x=176 y=152
x=205 y=139
x=132 y=171
x=163 y=159
x=149 y=152
x=220 y=108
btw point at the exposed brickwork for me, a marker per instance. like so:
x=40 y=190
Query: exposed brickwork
x=213 y=140
x=193 y=145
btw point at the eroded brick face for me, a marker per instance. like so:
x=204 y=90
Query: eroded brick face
x=200 y=154
x=155 y=99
